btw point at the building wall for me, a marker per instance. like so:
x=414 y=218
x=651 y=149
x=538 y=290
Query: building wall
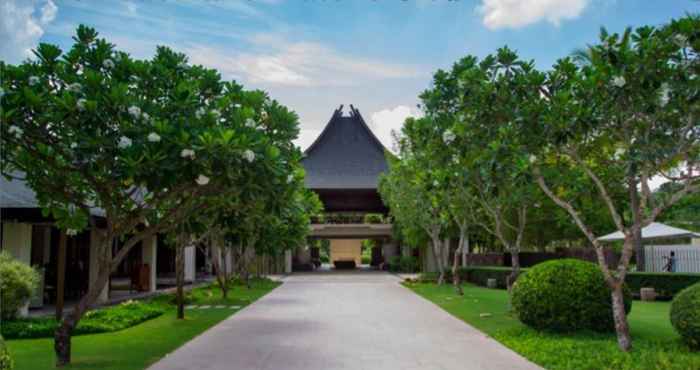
x=346 y=249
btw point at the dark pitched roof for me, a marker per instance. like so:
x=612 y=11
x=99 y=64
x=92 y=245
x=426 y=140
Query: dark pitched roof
x=15 y=193
x=346 y=155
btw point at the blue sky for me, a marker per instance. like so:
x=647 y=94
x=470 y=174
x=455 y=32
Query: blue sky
x=313 y=55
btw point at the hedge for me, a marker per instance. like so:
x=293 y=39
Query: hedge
x=665 y=284
x=105 y=320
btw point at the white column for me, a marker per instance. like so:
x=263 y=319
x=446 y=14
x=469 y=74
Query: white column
x=95 y=252
x=228 y=255
x=389 y=250
x=17 y=240
x=288 y=261
x=150 y=258
x=190 y=263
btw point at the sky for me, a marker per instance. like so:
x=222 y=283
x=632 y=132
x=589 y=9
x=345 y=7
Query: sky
x=314 y=55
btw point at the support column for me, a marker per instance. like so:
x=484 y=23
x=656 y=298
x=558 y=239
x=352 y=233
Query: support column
x=93 y=268
x=150 y=258
x=288 y=261
x=17 y=240
x=190 y=263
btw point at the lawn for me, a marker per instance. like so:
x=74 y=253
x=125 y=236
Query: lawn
x=655 y=344
x=141 y=345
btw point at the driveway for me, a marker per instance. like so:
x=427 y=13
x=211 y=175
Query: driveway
x=342 y=320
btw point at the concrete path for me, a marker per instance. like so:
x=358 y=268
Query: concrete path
x=342 y=321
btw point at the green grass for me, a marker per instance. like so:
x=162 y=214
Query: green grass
x=655 y=344
x=141 y=345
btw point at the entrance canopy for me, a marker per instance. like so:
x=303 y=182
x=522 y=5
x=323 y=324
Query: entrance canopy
x=655 y=230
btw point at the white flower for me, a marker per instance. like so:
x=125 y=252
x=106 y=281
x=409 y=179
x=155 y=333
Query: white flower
x=117 y=57
x=33 y=80
x=81 y=104
x=14 y=130
x=202 y=180
x=216 y=113
x=448 y=137
x=455 y=159
x=108 y=63
x=619 y=153
x=146 y=116
x=263 y=115
x=124 y=142
x=290 y=178
x=71 y=232
x=665 y=95
x=134 y=111
x=200 y=113
x=153 y=137
x=74 y=87
x=533 y=158
x=249 y=155
x=436 y=183
x=619 y=81
x=237 y=105
x=249 y=123
x=187 y=153
x=680 y=40
x=73 y=145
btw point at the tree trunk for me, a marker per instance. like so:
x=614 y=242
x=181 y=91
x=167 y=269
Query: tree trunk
x=180 y=276
x=455 y=273
x=515 y=270
x=62 y=335
x=437 y=252
x=465 y=248
x=220 y=272
x=636 y=220
x=624 y=340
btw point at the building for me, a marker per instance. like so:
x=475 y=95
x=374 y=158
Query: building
x=343 y=166
x=32 y=238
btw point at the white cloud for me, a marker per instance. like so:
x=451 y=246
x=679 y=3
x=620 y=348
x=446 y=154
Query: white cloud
x=386 y=122
x=22 y=25
x=519 y=13
x=276 y=61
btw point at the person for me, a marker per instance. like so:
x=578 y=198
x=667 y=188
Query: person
x=671 y=264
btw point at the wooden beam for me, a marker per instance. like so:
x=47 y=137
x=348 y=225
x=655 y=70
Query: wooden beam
x=61 y=275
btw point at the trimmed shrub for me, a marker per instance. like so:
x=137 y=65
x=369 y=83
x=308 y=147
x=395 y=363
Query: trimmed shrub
x=406 y=264
x=565 y=295
x=104 y=320
x=685 y=315
x=18 y=281
x=665 y=284
x=6 y=362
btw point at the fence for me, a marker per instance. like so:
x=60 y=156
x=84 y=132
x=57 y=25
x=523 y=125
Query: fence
x=528 y=259
x=687 y=257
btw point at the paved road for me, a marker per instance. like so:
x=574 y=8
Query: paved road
x=362 y=320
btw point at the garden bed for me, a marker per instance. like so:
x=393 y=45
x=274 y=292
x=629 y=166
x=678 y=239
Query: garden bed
x=110 y=319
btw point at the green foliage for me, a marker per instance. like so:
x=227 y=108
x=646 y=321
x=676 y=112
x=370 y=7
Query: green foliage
x=685 y=315
x=18 y=281
x=105 y=320
x=405 y=264
x=6 y=362
x=656 y=344
x=666 y=285
x=565 y=295
x=374 y=218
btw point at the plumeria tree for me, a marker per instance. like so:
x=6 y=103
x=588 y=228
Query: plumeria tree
x=627 y=116
x=412 y=192
x=149 y=143
x=485 y=103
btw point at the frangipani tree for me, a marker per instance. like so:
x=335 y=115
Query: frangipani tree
x=148 y=142
x=628 y=115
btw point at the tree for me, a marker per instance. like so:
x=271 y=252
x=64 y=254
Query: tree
x=148 y=142
x=628 y=115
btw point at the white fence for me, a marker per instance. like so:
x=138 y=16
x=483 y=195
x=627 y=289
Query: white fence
x=687 y=257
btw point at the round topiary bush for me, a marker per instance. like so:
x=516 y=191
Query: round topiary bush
x=685 y=315
x=565 y=295
x=17 y=283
